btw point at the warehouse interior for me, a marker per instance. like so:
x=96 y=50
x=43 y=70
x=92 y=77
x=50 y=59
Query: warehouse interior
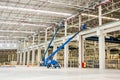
x=27 y=28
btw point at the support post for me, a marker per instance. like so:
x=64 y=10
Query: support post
x=8 y=57
x=65 y=49
x=33 y=40
x=20 y=58
x=46 y=35
x=101 y=43
x=38 y=38
x=100 y=15
x=33 y=56
x=12 y=57
x=24 y=43
x=80 y=39
x=24 y=57
x=101 y=51
x=83 y=49
x=39 y=56
x=46 y=43
x=54 y=48
x=80 y=54
x=28 y=57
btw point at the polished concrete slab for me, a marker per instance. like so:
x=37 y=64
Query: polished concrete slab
x=42 y=73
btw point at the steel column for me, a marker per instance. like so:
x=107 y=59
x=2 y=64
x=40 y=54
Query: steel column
x=65 y=48
x=33 y=56
x=39 y=55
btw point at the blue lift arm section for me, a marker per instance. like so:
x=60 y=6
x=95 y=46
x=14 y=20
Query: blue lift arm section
x=60 y=47
x=61 y=25
x=43 y=58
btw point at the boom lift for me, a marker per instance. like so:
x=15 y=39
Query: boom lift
x=61 y=25
x=49 y=62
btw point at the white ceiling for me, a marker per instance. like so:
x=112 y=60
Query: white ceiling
x=23 y=18
x=32 y=16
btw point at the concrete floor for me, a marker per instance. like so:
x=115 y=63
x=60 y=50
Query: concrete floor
x=40 y=73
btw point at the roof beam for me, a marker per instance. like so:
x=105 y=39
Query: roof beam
x=16 y=37
x=34 y=11
x=22 y=24
x=63 y=4
x=111 y=11
x=70 y=5
x=96 y=16
x=29 y=20
x=13 y=31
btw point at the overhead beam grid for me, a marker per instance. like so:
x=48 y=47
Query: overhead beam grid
x=23 y=18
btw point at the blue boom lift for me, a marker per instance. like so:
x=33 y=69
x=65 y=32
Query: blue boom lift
x=49 y=62
x=61 y=25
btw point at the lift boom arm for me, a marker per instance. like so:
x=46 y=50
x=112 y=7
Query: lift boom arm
x=54 y=35
x=60 y=47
